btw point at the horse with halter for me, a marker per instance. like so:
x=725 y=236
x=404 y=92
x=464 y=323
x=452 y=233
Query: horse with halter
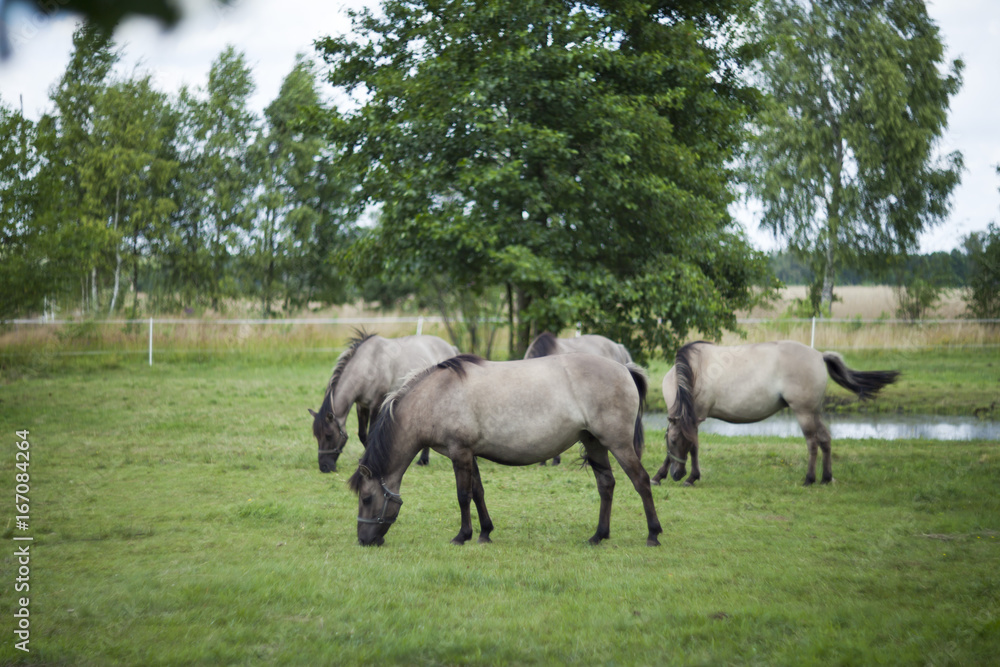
x=369 y=369
x=546 y=344
x=512 y=413
x=749 y=383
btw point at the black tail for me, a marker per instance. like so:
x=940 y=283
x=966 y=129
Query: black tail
x=683 y=410
x=642 y=384
x=863 y=383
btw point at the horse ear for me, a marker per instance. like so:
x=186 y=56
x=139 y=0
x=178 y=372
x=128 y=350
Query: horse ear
x=311 y=412
x=365 y=472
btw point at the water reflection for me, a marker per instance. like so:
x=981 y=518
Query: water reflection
x=881 y=427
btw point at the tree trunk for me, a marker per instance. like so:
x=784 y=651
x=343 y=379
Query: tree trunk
x=523 y=326
x=118 y=255
x=510 y=322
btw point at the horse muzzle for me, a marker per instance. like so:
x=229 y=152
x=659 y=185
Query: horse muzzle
x=678 y=473
x=328 y=462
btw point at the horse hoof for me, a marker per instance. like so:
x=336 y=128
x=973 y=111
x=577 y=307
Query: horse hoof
x=457 y=541
x=485 y=539
x=688 y=483
x=654 y=482
x=652 y=542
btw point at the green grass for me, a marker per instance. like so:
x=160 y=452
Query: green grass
x=179 y=517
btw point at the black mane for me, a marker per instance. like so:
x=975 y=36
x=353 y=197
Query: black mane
x=382 y=434
x=543 y=345
x=360 y=336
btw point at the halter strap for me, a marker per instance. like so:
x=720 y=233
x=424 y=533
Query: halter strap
x=388 y=495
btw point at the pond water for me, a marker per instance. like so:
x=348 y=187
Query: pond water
x=881 y=427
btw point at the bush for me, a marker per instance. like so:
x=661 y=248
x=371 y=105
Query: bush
x=983 y=297
x=917 y=299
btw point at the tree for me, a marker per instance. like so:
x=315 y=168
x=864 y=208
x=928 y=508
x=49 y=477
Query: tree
x=843 y=154
x=983 y=250
x=217 y=207
x=23 y=279
x=300 y=220
x=573 y=155
x=76 y=246
x=126 y=170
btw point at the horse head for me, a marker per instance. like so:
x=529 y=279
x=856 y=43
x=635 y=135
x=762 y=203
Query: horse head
x=378 y=506
x=679 y=445
x=331 y=436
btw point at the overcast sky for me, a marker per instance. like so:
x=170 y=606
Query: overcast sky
x=271 y=37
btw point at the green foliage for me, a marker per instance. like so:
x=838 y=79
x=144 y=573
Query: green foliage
x=300 y=204
x=572 y=155
x=843 y=154
x=983 y=248
x=917 y=299
x=22 y=273
x=193 y=200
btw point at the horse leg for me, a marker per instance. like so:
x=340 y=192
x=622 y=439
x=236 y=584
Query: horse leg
x=817 y=438
x=665 y=468
x=363 y=417
x=597 y=457
x=630 y=464
x=462 y=462
x=695 y=470
x=425 y=457
x=479 y=497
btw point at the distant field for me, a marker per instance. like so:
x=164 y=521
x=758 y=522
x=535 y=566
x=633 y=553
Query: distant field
x=178 y=517
x=868 y=302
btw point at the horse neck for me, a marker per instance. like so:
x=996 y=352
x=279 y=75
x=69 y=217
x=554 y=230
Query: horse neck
x=407 y=441
x=352 y=384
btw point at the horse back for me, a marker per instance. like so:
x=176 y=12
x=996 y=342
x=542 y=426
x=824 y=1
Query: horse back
x=526 y=411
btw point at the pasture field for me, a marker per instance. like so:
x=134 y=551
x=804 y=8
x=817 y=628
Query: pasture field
x=179 y=517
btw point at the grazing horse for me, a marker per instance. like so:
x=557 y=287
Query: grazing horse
x=546 y=344
x=369 y=369
x=512 y=413
x=748 y=383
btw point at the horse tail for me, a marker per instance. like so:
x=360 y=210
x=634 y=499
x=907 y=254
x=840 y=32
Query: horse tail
x=863 y=383
x=683 y=409
x=642 y=384
x=543 y=345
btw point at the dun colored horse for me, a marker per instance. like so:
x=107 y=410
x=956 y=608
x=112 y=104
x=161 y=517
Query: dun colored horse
x=546 y=344
x=748 y=383
x=512 y=413
x=369 y=369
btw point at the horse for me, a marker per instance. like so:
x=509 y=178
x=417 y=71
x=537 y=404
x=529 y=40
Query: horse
x=370 y=368
x=749 y=383
x=546 y=344
x=513 y=413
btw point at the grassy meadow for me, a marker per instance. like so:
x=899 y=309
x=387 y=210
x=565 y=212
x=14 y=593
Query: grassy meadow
x=179 y=517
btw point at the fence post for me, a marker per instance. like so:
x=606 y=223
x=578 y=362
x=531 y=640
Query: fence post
x=812 y=339
x=420 y=325
x=151 y=341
